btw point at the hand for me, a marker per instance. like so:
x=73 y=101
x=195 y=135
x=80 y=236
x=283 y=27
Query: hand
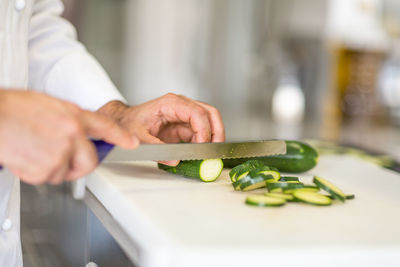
x=169 y=119
x=43 y=139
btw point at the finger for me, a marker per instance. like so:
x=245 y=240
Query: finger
x=146 y=138
x=217 y=125
x=189 y=111
x=101 y=127
x=58 y=176
x=84 y=159
x=176 y=133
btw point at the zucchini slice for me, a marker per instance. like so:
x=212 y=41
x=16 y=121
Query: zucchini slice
x=334 y=191
x=255 y=183
x=275 y=190
x=236 y=185
x=289 y=179
x=287 y=197
x=207 y=170
x=284 y=186
x=243 y=169
x=275 y=175
x=312 y=197
x=265 y=201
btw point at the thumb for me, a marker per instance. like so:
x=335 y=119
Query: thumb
x=102 y=127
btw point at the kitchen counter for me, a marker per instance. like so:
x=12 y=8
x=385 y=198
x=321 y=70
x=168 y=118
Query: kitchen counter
x=164 y=220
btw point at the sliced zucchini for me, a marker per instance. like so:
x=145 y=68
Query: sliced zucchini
x=289 y=179
x=311 y=197
x=275 y=190
x=207 y=170
x=243 y=169
x=287 y=197
x=334 y=191
x=265 y=201
x=274 y=174
x=242 y=175
x=284 y=186
x=254 y=183
x=233 y=177
x=239 y=182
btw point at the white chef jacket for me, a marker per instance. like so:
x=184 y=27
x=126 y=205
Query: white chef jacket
x=39 y=51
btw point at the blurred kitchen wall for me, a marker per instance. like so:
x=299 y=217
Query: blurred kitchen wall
x=261 y=62
x=227 y=52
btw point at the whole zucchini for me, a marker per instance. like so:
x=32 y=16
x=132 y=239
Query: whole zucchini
x=299 y=157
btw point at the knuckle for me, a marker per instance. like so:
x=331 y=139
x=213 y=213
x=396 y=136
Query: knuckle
x=170 y=97
x=72 y=127
x=214 y=110
x=75 y=109
x=201 y=111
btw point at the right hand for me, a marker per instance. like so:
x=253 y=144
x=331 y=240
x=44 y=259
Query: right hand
x=45 y=140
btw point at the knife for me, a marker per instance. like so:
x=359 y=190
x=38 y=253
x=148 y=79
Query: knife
x=189 y=151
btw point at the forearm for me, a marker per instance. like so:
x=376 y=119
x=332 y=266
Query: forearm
x=60 y=65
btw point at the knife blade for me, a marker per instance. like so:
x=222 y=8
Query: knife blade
x=190 y=151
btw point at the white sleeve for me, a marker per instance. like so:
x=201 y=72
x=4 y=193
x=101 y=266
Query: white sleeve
x=59 y=65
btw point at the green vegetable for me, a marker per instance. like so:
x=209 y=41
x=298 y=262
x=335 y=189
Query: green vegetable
x=287 y=197
x=311 y=197
x=207 y=170
x=243 y=169
x=289 y=179
x=284 y=186
x=299 y=157
x=264 y=201
x=254 y=183
x=327 y=186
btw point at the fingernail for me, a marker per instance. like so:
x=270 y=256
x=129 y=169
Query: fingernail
x=170 y=162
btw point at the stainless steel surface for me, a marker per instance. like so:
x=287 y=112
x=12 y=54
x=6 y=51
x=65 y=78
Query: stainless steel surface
x=131 y=248
x=58 y=231
x=199 y=151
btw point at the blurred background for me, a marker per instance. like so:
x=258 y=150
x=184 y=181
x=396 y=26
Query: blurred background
x=287 y=68
x=323 y=69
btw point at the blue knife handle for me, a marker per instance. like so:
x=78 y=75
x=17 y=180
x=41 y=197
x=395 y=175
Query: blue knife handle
x=102 y=149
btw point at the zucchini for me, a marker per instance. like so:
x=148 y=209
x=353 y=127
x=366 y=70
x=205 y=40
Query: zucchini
x=243 y=169
x=207 y=170
x=287 y=197
x=253 y=184
x=289 y=179
x=264 y=201
x=327 y=186
x=236 y=184
x=310 y=188
x=312 y=197
x=284 y=186
x=299 y=157
x=266 y=171
x=275 y=190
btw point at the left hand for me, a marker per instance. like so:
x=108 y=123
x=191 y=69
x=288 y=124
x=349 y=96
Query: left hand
x=169 y=119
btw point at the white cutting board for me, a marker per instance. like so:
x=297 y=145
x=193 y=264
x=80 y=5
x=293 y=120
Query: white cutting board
x=181 y=222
